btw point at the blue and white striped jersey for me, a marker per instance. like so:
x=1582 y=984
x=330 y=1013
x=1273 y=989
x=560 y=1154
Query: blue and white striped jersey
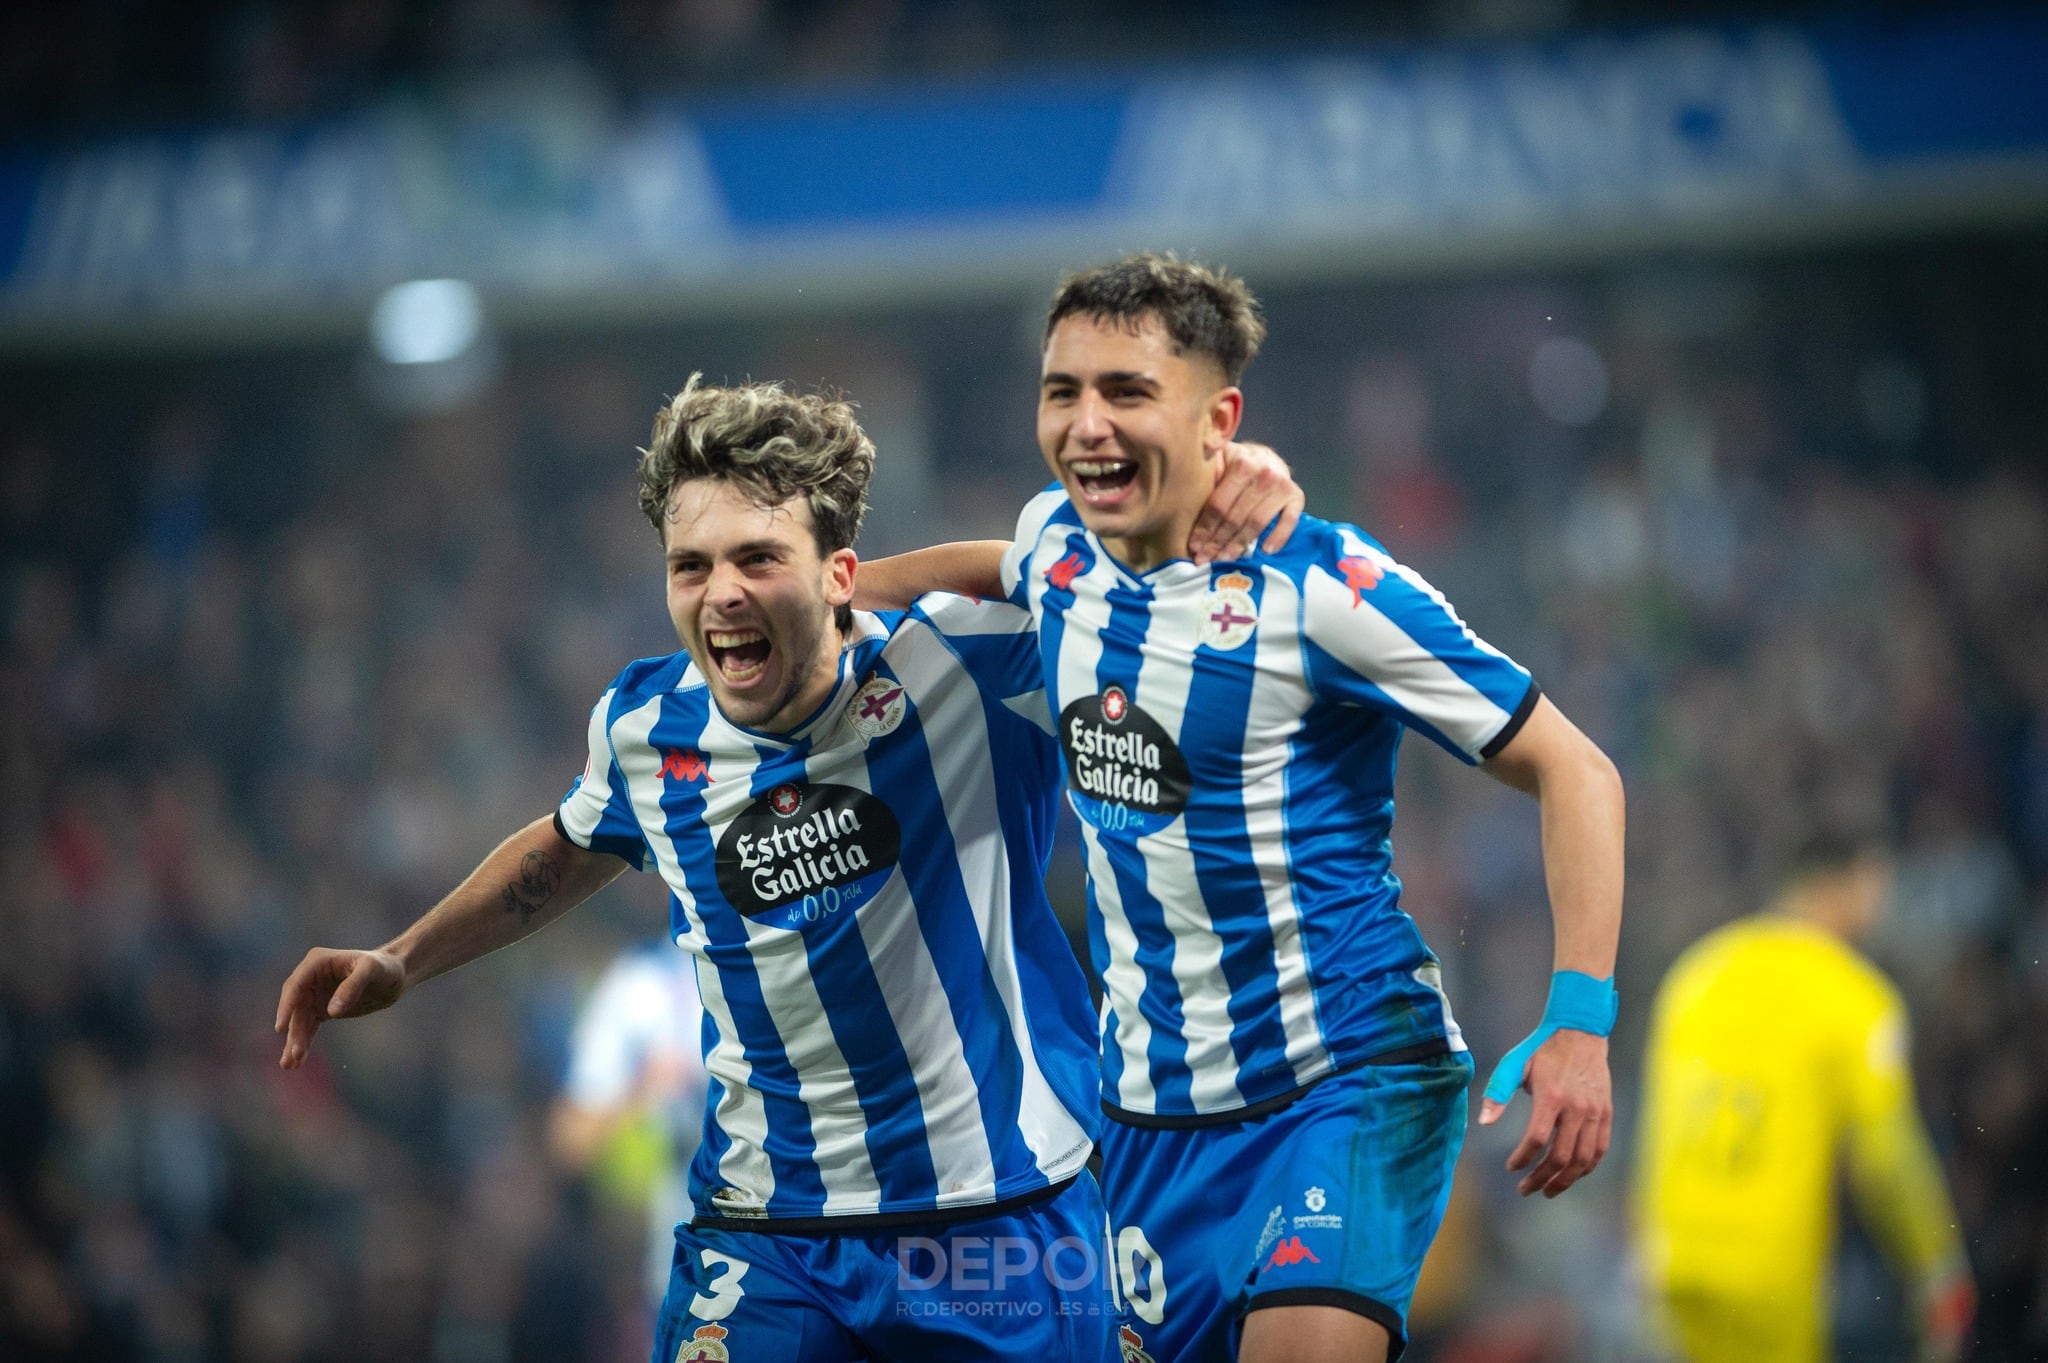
x=1230 y=735
x=894 y=1024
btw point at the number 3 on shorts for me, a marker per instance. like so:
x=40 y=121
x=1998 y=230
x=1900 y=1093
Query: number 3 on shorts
x=725 y=1290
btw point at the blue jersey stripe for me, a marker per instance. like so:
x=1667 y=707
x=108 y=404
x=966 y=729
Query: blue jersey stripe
x=791 y=1148
x=931 y=867
x=1226 y=865
x=1122 y=657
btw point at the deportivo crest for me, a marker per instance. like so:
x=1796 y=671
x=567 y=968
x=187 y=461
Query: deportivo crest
x=877 y=708
x=1229 y=615
x=1131 y=1345
x=705 y=1346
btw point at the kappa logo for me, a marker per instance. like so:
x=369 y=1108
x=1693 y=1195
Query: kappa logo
x=1361 y=575
x=1131 y=1345
x=1315 y=1198
x=1290 y=1252
x=877 y=708
x=1115 y=704
x=785 y=800
x=1063 y=573
x=705 y=1346
x=684 y=764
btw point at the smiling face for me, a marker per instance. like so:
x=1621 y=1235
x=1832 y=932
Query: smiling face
x=1133 y=431
x=752 y=598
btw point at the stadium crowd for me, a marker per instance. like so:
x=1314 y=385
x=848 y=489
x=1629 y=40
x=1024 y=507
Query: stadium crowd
x=278 y=667
x=114 y=64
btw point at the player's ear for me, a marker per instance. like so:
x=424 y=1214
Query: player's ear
x=840 y=566
x=1220 y=420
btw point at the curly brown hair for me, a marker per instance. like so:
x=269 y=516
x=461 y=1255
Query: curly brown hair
x=772 y=444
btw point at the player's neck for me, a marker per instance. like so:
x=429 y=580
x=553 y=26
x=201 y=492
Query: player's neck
x=815 y=691
x=1167 y=540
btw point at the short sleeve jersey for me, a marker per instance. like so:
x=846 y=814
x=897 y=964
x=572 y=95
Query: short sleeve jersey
x=895 y=1025
x=1230 y=735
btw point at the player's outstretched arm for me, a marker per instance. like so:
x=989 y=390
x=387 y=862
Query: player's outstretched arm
x=534 y=877
x=1563 y=1064
x=1254 y=489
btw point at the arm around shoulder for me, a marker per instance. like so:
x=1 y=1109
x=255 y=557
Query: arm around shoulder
x=965 y=567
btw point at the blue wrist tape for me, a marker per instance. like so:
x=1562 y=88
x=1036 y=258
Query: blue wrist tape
x=1577 y=1001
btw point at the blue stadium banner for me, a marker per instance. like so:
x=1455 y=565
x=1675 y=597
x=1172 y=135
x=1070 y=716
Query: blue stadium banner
x=1339 y=160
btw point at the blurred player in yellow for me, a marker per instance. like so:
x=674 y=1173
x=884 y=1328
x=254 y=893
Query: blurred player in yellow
x=1777 y=1056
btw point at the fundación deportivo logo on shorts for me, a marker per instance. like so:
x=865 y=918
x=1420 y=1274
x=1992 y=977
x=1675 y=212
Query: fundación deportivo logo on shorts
x=1125 y=773
x=802 y=853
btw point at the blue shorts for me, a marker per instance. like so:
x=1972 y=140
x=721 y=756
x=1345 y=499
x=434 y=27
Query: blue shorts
x=1028 y=1283
x=1330 y=1201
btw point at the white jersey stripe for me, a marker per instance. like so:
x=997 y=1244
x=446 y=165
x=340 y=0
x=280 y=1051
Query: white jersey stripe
x=1276 y=712
x=1162 y=686
x=1057 y=1142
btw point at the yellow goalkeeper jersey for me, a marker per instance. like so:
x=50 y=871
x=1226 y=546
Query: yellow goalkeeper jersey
x=1777 y=1056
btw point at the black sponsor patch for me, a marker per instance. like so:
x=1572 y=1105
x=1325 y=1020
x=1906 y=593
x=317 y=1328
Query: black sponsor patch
x=804 y=852
x=1124 y=773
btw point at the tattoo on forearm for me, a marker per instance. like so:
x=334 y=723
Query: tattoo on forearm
x=539 y=878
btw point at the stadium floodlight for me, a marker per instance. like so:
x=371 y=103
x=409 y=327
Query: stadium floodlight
x=426 y=321
x=431 y=345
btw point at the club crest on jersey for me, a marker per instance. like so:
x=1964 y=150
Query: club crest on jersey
x=1131 y=1345
x=1229 y=615
x=877 y=708
x=705 y=1346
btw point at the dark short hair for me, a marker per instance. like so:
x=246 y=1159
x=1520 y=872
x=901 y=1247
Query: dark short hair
x=1826 y=851
x=1206 y=311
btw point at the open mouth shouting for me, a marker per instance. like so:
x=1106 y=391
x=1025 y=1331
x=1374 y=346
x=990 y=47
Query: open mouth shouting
x=740 y=655
x=1103 y=481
